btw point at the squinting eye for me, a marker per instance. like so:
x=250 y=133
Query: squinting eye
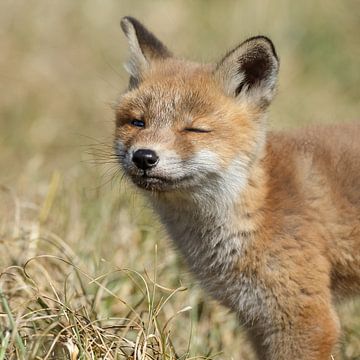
x=138 y=123
x=197 y=130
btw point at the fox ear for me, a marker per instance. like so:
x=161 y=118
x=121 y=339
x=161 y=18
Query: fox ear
x=144 y=48
x=249 y=72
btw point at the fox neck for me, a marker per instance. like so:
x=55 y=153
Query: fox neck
x=212 y=234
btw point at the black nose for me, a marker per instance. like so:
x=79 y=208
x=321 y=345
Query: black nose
x=145 y=159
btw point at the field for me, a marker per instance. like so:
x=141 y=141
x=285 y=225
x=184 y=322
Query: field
x=86 y=270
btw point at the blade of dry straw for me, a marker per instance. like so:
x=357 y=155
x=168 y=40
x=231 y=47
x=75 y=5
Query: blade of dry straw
x=13 y=326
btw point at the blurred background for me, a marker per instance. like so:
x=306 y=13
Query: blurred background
x=61 y=71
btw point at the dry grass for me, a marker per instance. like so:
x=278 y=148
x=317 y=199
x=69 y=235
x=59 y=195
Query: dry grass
x=52 y=307
x=70 y=227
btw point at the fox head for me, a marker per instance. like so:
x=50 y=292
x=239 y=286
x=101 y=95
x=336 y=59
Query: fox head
x=185 y=127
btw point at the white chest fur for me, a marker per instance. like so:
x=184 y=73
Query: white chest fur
x=213 y=246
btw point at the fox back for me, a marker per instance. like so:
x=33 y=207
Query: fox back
x=268 y=222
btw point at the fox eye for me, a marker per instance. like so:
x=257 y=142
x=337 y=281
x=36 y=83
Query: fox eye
x=197 y=130
x=138 y=123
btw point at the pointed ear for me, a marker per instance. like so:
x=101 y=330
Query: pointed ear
x=144 y=48
x=249 y=72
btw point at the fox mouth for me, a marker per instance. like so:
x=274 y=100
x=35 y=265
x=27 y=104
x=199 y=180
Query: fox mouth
x=157 y=183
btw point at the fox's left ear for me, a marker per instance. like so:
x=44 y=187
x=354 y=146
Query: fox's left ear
x=249 y=72
x=144 y=48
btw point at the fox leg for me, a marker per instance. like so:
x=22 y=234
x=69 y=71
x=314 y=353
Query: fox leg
x=311 y=334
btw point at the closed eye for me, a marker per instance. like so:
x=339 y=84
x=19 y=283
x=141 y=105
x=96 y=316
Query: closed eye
x=197 y=130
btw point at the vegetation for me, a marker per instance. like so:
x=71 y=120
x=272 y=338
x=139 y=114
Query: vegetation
x=85 y=269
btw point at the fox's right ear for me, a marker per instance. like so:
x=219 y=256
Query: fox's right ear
x=249 y=72
x=144 y=48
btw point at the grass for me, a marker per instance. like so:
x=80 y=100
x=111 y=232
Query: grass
x=85 y=269
x=58 y=310
x=54 y=306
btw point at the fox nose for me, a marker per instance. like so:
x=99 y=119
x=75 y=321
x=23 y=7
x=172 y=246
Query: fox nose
x=145 y=159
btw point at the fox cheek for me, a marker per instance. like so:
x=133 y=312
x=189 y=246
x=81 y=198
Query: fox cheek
x=205 y=160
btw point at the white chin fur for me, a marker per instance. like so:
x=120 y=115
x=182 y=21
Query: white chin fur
x=219 y=184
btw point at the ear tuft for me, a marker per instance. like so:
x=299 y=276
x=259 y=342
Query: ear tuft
x=144 y=48
x=249 y=72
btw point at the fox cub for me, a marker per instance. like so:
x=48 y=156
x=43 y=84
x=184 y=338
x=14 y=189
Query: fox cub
x=268 y=222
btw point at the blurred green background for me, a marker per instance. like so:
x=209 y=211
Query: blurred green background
x=61 y=65
x=60 y=72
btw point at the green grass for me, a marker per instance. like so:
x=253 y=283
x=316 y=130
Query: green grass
x=86 y=271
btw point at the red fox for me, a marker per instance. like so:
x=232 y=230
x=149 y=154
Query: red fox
x=268 y=222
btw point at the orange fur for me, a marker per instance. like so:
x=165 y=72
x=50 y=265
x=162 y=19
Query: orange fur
x=268 y=222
